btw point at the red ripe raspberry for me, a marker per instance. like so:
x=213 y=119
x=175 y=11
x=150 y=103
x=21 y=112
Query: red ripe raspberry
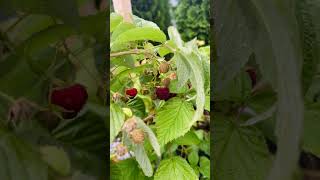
x=71 y=98
x=132 y=92
x=163 y=93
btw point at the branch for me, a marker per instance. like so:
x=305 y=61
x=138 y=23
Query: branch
x=133 y=51
x=148 y=118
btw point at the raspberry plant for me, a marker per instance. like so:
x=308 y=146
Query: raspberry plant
x=52 y=111
x=266 y=87
x=163 y=126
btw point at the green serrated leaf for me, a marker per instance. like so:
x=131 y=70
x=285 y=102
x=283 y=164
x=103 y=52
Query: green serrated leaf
x=20 y=160
x=189 y=57
x=127 y=170
x=205 y=166
x=193 y=158
x=88 y=163
x=237 y=89
x=205 y=146
x=120 y=80
x=20 y=77
x=86 y=133
x=138 y=34
x=115 y=171
x=164 y=50
x=173 y=120
x=30 y=24
x=69 y=14
x=115 y=20
x=143 y=159
x=152 y=138
x=183 y=71
x=206 y=73
x=269 y=30
x=175 y=168
x=174 y=87
x=310 y=135
x=207 y=103
x=232 y=147
x=138 y=107
x=81 y=176
x=121 y=28
x=57 y=159
x=58 y=32
x=116 y=120
x=190 y=138
x=139 y=22
x=193 y=60
x=175 y=36
x=126 y=61
x=311 y=131
x=87 y=74
x=313 y=92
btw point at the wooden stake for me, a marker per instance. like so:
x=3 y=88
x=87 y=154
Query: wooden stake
x=123 y=7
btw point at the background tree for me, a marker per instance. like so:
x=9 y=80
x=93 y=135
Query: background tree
x=192 y=19
x=157 y=11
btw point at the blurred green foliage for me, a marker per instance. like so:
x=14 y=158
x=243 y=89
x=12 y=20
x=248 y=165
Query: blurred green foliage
x=43 y=47
x=192 y=18
x=157 y=11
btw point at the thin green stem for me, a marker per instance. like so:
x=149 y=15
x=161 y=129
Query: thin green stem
x=6 y=97
x=129 y=52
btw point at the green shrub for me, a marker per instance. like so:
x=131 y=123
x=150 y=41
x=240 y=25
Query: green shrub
x=157 y=11
x=192 y=18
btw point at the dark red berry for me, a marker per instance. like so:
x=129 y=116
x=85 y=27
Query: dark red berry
x=71 y=98
x=253 y=76
x=132 y=92
x=163 y=93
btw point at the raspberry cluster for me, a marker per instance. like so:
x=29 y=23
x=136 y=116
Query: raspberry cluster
x=137 y=135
